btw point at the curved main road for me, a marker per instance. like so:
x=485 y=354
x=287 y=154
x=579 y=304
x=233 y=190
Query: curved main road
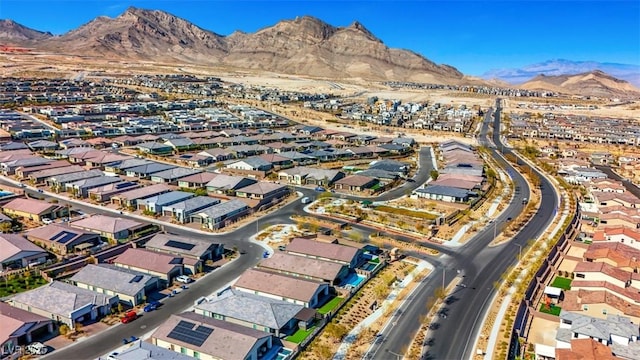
x=480 y=267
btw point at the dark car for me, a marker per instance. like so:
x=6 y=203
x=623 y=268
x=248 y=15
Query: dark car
x=320 y=189
x=152 y=305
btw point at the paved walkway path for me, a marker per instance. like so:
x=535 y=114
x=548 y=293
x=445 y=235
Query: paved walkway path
x=369 y=320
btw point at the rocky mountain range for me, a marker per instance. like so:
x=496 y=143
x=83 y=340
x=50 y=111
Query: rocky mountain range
x=628 y=72
x=594 y=83
x=302 y=46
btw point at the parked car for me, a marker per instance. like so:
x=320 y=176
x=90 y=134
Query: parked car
x=152 y=305
x=129 y=316
x=47 y=221
x=320 y=189
x=305 y=200
x=184 y=279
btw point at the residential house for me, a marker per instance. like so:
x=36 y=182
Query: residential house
x=145 y=350
x=274 y=316
x=305 y=267
x=40 y=176
x=615 y=329
x=81 y=188
x=218 y=154
x=105 y=192
x=228 y=184
x=356 y=183
x=23 y=173
x=19 y=328
x=111 y=228
x=63 y=239
x=196 y=181
x=65 y=303
x=154 y=204
x=194 y=251
x=310 y=176
x=217 y=216
x=164 y=266
x=181 y=144
x=130 y=198
x=17 y=252
x=277 y=160
x=145 y=171
x=250 y=164
x=263 y=191
x=207 y=338
x=171 y=176
x=393 y=166
x=59 y=182
x=181 y=211
x=120 y=167
x=34 y=209
x=10 y=167
x=620 y=234
x=342 y=254
x=131 y=287
x=444 y=193
x=155 y=148
x=308 y=293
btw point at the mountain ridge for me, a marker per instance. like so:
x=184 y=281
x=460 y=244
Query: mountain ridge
x=595 y=83
x=305 y=45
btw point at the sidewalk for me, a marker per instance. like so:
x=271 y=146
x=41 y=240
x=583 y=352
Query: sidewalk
x=506 y=301
x=353 y=334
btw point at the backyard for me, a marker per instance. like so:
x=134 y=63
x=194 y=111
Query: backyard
x=330 y=305
x=562 y=283
x=300 y=335
x=550 y=309
x=13 y=284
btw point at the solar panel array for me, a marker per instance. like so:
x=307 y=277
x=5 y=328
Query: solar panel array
x=179 y=245
x=185 y=332
x=63 y=237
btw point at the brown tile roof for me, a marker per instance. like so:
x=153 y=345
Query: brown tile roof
x=200 y=178
x=148 y=260
x=321 y=249
x=607 y=269
x=13 y=244
x=355 y=180
x=31 y=206
x=574 y=299
x=143 y=192
x=585 y=349
x=278 y=284
x=623 y=255
x=600 y=285
x=302 y=265
x=106 y=224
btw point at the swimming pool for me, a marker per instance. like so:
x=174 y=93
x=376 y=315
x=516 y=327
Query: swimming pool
x=283 y=354
x=353 y=279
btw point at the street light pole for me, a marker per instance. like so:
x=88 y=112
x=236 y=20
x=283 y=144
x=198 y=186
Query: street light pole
x=444 y=271
x=519 y=252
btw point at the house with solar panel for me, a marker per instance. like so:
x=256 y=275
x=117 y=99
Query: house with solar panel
x=156 y=203
x=130 y=286
x=207 y=338
x=194 y=251
x=63 y=239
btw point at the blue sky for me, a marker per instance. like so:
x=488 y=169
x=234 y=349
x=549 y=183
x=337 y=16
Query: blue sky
x=474 y=36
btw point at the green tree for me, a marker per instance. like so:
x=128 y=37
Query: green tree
x=434 y=174
x=5 y=227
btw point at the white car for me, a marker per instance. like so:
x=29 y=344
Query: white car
x=305 y=200
x=184 y=279
x=47 y=221
x=36 y=349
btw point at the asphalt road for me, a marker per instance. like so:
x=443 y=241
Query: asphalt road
x=479 y=266
x=111 y=338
